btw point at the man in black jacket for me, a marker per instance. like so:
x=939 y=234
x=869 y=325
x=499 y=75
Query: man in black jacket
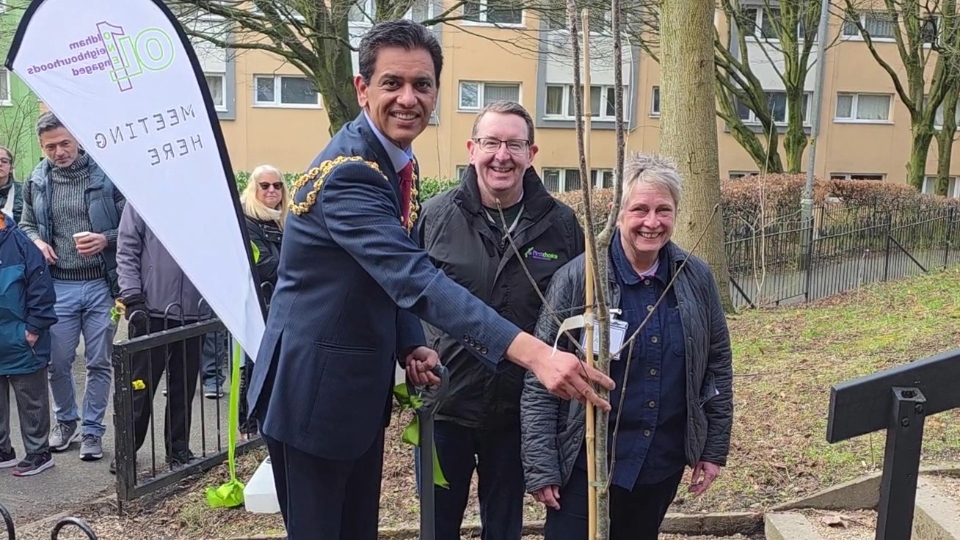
x=482 y=234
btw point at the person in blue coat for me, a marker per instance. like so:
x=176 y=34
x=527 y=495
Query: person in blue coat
x=352 y=287
x=27 y=312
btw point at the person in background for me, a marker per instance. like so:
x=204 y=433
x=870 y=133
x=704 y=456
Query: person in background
x=71 y=211
x=11 y=193
x=478 y=426
x=678 y=407
x=27 y=312
x=265 y=205
x=153 y=284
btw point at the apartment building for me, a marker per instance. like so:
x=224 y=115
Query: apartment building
x=270 y=114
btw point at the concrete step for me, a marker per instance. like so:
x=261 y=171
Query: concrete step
x=820 y=525
x=937 y=515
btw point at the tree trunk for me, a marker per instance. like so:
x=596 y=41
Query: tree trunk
x=917 y=164
x=945 y=141
x=334 y=80
x=795 y=140
x=688 y=129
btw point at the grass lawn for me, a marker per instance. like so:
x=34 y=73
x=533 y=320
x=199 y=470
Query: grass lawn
x=786 y=360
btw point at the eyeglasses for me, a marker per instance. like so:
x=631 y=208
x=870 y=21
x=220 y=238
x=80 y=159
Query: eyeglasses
x=276 y=185
x=491 y=145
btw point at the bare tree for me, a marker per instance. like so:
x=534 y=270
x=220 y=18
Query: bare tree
x=688 y=130
x=779 y=34
x=925 y=33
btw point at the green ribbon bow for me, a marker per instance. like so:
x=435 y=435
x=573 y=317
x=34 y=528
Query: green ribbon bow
x=230 y=495
x=411 y=435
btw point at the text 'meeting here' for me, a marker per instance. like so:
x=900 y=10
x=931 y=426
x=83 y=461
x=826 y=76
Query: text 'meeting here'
x=155 y=123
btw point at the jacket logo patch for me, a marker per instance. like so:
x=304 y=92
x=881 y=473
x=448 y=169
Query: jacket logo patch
x=532 y=253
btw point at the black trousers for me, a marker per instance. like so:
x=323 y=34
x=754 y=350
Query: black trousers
x=181 y=361
x=322 y=499
x=634 y=515
x=495 y=456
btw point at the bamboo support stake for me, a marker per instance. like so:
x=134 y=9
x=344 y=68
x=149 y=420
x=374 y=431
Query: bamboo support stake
x=588 y=311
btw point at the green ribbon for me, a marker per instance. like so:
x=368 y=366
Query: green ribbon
x=230 y=495
x=411 y=435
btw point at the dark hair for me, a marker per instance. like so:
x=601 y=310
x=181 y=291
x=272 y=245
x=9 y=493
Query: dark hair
x=48 y=121
x=10 y=155
x=402 y=33
x=506 y=107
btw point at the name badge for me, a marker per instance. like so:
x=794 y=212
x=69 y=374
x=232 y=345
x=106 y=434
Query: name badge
x=618 y=334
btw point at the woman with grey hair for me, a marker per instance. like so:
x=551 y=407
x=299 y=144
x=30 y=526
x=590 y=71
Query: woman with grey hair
x=673 y=403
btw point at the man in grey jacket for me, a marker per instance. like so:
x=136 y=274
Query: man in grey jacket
x=158 y=296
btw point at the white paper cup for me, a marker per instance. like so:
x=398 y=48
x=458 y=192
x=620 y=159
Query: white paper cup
x=79 y=235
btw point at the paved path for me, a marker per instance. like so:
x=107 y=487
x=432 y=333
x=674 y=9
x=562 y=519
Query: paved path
x=72 y=482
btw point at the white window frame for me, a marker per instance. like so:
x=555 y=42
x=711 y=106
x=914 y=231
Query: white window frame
x=562 y=179
x=655 y=102
x=759 y=16
x=219 y=107
x=597 y=177
x=276 y=103
x=8 y=101
x=480 y=90
x=939 y=113
x=566 y=105
x=859 y=35
x=607 y=23
x=859 y=176
x=854 y=105
x=752 y=120
x=930 y=185
x=369 y=9
x=460 y=170
x=483 y=16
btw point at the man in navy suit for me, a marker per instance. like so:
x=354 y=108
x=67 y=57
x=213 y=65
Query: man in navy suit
x=352 y=287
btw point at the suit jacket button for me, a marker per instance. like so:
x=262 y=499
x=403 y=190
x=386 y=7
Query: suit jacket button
x=483 y=350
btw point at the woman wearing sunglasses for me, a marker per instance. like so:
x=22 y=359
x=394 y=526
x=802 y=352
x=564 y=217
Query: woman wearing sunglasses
x=264 y=201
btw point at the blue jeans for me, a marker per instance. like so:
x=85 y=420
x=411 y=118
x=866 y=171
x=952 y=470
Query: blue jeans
x=83 y=307
x=216 y=350
x=495 y=455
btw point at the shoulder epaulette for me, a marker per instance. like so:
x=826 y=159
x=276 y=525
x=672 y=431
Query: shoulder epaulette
x=318 y=174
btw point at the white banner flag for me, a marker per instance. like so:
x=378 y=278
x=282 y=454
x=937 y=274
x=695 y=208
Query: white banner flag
x=123 y=77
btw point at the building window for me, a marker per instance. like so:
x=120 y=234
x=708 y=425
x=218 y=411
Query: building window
x=5 y=87
x=879 y=25
x=777 y=102
x=285 y=91
x=655 y=106
x=857 y=176
x=765 y=23
x=561 y=180
x=461 y=170
x=558 y=19
x=213 y=59
x=561 y=100
x=475 y=95
x=863 y=107
x=362 y=12
x=930 y=186
x=217 y=83
x=602 y=178
x=734 y=175
x=493 y=12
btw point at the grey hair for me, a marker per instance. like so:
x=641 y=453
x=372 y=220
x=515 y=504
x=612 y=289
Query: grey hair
x=654 y=169
x=47 y=122
x=506 y=107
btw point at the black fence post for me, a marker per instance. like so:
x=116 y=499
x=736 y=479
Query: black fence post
x=886 y=263
x=946 y=245
x=901 y=463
